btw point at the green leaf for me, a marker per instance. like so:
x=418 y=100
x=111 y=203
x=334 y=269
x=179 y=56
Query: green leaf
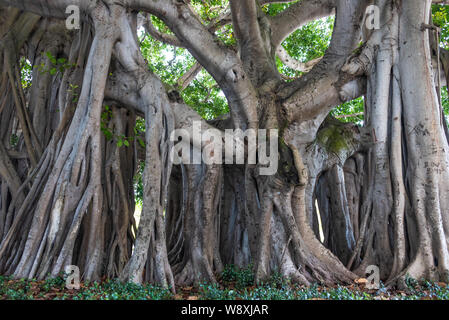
x=141 y=142
x=51 y=58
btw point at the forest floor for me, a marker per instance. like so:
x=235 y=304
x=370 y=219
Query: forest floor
x=233 y=284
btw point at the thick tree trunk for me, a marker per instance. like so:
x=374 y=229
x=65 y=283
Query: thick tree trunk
x=77 y=218
x=401 y=219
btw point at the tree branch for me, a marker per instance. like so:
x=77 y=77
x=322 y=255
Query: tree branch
x=293 y=63
x=222 y=63
x=312 y=96
x=298 y=15
x=223 y=19
x=188 y=77
x=160 y=36
x=53 y=9
x=343 y=116
x=255 y=48
x=264 y=2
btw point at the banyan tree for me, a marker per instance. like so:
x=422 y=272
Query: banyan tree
x=345 y=195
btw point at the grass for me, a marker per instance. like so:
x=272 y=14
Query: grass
x=54 y=289
x=234 y=284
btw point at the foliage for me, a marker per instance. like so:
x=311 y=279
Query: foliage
x=54 y=289
x=445 y=102
x=440 y=19
x=114 y=290
x=121 y=139
x=203 y=94
x=26 y=72
x=209 y=9
x=55 y=64
x=205 y=97
x=13 y=140
x=240 y=277
x=353 y=108
x=73 y=89
x=138 y=183
x=277 y=288
x=307 y=43
x=170 y=64
x=273 y=9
